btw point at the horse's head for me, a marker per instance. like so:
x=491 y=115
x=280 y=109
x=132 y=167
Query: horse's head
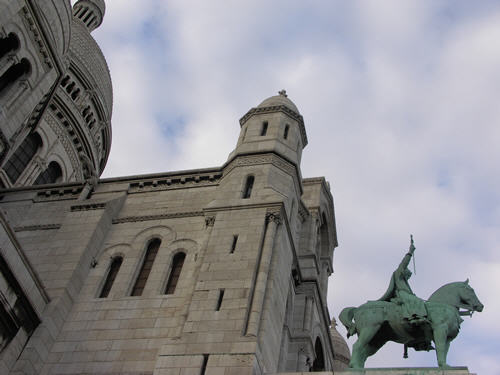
x=458 y=294
x=468 y=298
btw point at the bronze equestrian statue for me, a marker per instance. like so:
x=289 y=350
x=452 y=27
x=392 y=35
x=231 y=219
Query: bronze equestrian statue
x=400 y=316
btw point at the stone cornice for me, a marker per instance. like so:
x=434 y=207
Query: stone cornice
x=172 y=215
x=37 y=227
x=88 y=206
x=58 y=194
x=278 y=108
x=175 y=182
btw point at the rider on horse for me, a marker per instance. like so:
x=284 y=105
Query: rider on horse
x=399 y=292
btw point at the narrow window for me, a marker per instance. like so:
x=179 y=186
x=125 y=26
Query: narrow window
x=51 y=175
x=248 y=187
x=219 y=300
x=22 y=156
x=319 y=361
x=65 y=81
x=15 y=72
x=75 y=94
x=113 y=271
x=175 y=273
x=233 y=246
x=87 y=18
x=8 y=44
x=147 y=264
x=264 y=128
x=83 y=13
x=285 y=134
x=204 y=364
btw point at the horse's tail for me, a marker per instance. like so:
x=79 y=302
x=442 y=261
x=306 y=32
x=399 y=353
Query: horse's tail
x=345 y=317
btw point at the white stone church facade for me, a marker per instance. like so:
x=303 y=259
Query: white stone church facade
x=208 y=271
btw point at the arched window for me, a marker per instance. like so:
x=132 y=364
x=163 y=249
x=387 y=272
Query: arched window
x=248 y=187
x=175 y=272
x=22 y=156
x=113 y=271
x=51 y=175
x=263 y=131
x=15 y=72
x=8 y=44
x=285 y=134
x=147 y=264
x=319 y=360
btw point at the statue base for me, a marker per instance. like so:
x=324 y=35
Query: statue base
x=406 y=371
x=390 y=371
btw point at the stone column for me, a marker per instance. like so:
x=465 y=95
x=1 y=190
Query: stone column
x=273 y=220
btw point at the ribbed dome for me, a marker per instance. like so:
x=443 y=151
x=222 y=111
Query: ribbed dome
x=340 y=348
x=281 y=99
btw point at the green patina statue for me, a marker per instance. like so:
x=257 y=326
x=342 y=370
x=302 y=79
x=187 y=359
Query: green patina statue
x=400 y=316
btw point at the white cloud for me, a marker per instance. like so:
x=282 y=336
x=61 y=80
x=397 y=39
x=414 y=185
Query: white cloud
x=400 y=105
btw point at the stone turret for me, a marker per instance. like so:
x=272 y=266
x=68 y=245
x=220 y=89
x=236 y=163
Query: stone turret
x=275 y=125
x=90 y=12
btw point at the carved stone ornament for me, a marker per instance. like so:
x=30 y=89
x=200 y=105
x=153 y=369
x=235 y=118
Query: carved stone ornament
x=274 y=216
x=209 y=221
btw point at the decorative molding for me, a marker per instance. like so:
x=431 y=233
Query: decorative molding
x=36 y=37
x=175 y=182
x=256 y=159
x=275 y=216
x=209 y=221
x=37 y=227
x=58 y=194
x=88 y=206
x=37 y=112
x=278 y=108
x=131 y=219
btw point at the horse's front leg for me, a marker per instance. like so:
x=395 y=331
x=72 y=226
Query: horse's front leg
x=440 y=333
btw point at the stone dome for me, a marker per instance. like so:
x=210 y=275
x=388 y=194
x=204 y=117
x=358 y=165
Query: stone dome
x=280 y=99
x=86 y=55
x=340 y=348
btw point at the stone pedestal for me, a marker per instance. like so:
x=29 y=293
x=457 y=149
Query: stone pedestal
x=406 y=371
x=393 y=371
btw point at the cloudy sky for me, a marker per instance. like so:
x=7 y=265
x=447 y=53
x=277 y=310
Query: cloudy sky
x=401 y=106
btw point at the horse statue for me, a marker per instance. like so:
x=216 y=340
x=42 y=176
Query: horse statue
x=377 y=322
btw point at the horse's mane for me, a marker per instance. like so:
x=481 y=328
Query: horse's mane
x=446 y=291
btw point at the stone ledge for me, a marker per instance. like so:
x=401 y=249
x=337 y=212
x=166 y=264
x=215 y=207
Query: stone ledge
x=392 y=371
